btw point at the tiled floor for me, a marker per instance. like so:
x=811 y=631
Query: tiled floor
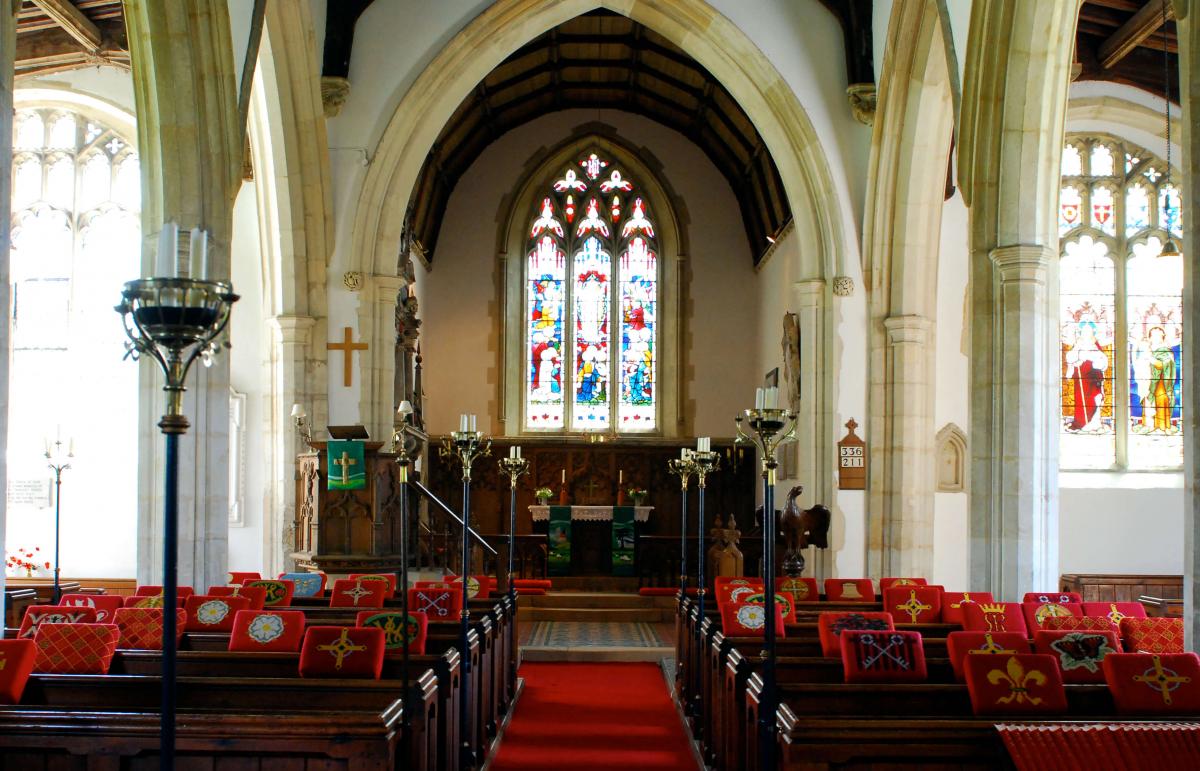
x=599 y=634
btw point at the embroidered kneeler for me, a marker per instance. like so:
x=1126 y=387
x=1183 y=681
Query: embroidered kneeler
x=883 y=657
x=831 y=625
x=1154 y=684
x=1020 y=684
x=397 y=634
x=342 y=651
x=961 y=645
x=1079 y=654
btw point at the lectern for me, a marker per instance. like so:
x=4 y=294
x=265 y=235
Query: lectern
x=347 y=531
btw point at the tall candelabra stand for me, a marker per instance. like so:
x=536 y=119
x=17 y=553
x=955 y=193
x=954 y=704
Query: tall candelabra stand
x=403 y=461
x=58 y=463
x=704 y=462
x=768 y=428
x=514 y=466
x=174 y=321
x=466 y=446
x=682 y=467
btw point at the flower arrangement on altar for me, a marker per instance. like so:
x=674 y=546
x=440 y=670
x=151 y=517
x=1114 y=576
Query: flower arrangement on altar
x=543 y=495
x=23 y=559
x=638 y=495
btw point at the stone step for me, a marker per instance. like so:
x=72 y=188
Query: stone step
x=651 y=615
x=589 y=600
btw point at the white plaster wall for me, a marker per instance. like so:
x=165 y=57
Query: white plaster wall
x=111 y=84
x=459 y=297
x=248 y=375
x=950 y=514
x=1121 y=523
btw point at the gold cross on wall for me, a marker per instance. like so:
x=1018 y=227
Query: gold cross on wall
x=347 y=347
x=345 y=462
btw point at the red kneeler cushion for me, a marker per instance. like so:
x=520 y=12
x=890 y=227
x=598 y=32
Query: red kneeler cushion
x=104 y=604
x=883 y=657
x=1079 y=654
x=394 y=633
x=149 y=590
x=1079 y=624
x=36 y=615
x=531 y=583
x=1146 y=683
x=952 y=603
x=437 y=604
x=849 y=590
x=353 y=593
x=149 y=601
x=1061 y=598
x=749 y=619
x=209 y=613
x=255 y=594
x=16 y=664
x=887 y=583
x=142 y=628
x=342 y=651
x=267 y=630
x=1036 y=613
x=1152 y=635
x=800 y=589
x=994 y=617
x=913 y=604
x=237 y=579
x=75 y=649
x=279 y=591
x=737 y=581
x=389 y=577
x=477 y=586
x=432 y=585
x=1020 y=684
x=831 y=626
x=782 y=601
x=962 y=645
x=736 y=592
x=1115 y=611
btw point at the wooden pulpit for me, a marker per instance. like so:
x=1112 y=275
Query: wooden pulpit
x=347 y=531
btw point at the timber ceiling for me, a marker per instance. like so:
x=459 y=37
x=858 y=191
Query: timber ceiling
x=605 y=60
x=56 y=35
x=1122 y=41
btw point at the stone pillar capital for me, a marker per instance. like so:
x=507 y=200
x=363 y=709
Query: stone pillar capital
x=1022 y=262
x=387 y=284
x=907 y=329
x=809 y=291
x=293 y=329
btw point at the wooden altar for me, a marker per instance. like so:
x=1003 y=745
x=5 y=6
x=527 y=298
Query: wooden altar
x=347 y=531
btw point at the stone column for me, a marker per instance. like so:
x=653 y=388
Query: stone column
x=377 y=367
x=813 y=432
x=191 y=147
x=1188 y=26
x=906 y=503
x=8 y=45
x=289 y=369
x=1014 y=487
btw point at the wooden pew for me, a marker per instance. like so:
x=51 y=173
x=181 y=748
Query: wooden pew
x=112 y=722
x=282 y=665
x=16 y=600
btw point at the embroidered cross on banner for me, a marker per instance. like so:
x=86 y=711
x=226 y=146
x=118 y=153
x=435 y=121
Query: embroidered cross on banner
x=881 y=652
x=345 y=462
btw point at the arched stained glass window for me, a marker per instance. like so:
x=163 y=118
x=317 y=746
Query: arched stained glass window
x=592 y=299
x=1120 y=302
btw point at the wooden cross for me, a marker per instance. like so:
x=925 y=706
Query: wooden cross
x=345 y=462
x=591 y=488
x=347 y=347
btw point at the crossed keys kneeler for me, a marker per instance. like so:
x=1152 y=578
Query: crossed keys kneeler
x=436 y=604
x=882 y=657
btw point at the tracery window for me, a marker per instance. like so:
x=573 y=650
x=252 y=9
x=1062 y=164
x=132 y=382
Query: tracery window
x=591 y=294
x=1121 y=309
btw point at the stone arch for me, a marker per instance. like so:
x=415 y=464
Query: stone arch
x=672 y=235
x=951 y=459
x=1010 y=146
x=294 y=192
x=914 y=124
x=697 y=28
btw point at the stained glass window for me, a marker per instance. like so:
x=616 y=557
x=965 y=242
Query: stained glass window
x=1120 y=324
x=595 y=226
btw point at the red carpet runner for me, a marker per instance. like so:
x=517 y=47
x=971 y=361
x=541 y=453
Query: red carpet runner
x=594 y=716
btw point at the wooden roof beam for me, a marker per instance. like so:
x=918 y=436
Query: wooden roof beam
x=1131 y=34
x=71 y=19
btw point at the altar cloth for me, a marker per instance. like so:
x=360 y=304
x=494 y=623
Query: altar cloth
x=590 y=513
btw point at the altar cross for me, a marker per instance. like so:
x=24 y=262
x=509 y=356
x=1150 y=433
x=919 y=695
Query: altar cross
x=591 y=488
x=345 y=462
x=347 y=347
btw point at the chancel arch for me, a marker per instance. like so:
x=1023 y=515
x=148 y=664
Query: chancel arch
x=519 y=246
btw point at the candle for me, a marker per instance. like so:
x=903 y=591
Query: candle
x=462 y=423
x=518 y=451
x=758 y=398
x=198 y=251
x=164 y=263
x=564 y=476
x=683 y=453
x=512 y=452
x=621 y=476
x=297 y=410
x=71 y=447
x=771 y=398
x=702 y=444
